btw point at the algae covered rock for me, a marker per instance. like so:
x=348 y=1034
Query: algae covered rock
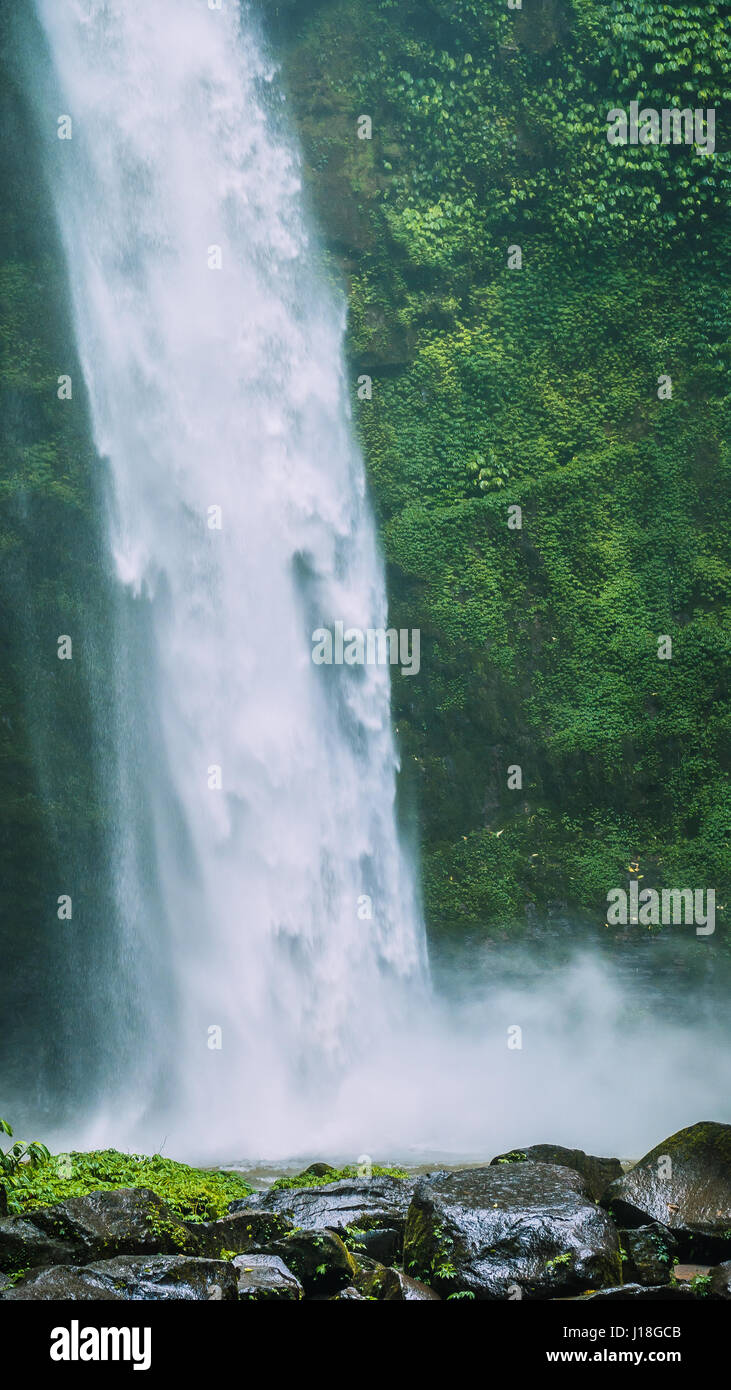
x=378 y=1282
x=684 y=1183
x=240 y=1231
x=318 y=1258
x=125 y=1221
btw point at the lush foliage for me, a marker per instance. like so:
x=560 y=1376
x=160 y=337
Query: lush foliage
x=309 y=1179
x=196 y=1194
x=18 y=1160
x=539 y=387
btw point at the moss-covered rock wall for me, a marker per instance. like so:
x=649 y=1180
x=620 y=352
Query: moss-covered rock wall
x=539 y=386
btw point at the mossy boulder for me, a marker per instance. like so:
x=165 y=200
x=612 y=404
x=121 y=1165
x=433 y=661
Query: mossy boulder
x=131 y=1221
x=318 y=1259
x=684 y=1183
x=238 y=1232
x=378 y=1282
x=318 y=1170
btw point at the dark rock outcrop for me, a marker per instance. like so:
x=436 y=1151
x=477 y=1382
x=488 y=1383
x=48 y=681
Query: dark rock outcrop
x=378 y=1281
x=521 y=1227
x=526 y=1226
x=413 y=1291
x=126 y=1221
x=362 y=1203
x=625 y=1292
x=650 y=1251
x=721 y=1280
x=684 y=1183
x=596 y=1172
x=383 y=1243
x=318 y=1258
x=62 y=1282
x=239 y=1231
x=132 y=1278
x=266 y=1277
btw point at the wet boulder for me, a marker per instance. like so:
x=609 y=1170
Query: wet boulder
x=378 y=1282
x=238 y=1232
x=74 y=1283
x=721 y=1280
x=126 y=1221
x=132 y=1278
x=623 y=1293
x=649 y=1254
x=526 y=1230
x=24 y=1244
x=266 y=1278
x=363 y=1203
x=318 y=1259
x=684 y=1183
x=596 y=1172
x=413 y=1291
x=383 y=1243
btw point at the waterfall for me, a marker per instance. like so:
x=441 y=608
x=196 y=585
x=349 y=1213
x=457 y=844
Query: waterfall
x=269 y=927
x=259 y=988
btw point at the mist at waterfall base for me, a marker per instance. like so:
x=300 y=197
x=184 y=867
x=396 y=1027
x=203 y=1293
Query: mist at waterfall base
x=212 y=349
x=611 y=1059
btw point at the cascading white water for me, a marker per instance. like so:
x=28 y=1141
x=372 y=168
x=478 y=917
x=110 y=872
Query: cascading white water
x=239 y=908
x=222 y=386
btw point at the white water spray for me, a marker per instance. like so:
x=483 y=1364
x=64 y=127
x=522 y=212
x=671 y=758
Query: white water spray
x=212 y=352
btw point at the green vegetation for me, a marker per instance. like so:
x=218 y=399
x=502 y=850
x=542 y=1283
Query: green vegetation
x=335 y=1175
x=558 y=1260
x=538 y=388
x=195 y=1194
x=17 y=1161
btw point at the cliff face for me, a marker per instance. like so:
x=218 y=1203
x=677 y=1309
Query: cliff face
x=584 y=381
x=493 y=387
x=55 y=720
